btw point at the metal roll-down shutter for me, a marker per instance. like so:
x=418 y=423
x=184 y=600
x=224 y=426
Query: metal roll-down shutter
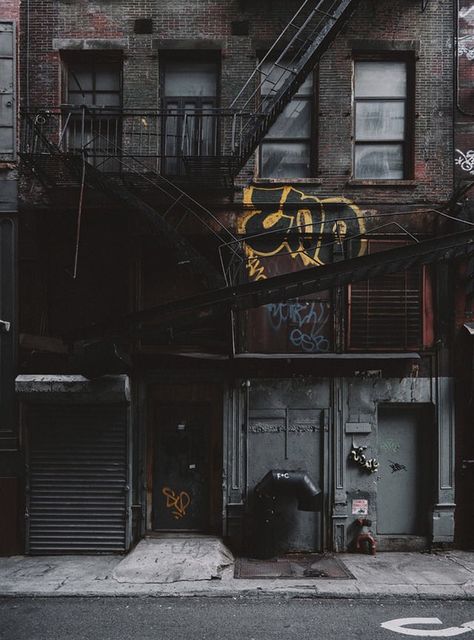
x=78 y=488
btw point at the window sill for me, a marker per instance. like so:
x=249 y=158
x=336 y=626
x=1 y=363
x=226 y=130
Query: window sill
x=284 y=181
x=382 y=183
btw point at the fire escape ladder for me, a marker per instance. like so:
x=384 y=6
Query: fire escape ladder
x=56 y=167
x=283 y=70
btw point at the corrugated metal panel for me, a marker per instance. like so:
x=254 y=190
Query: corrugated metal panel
x=78 y=479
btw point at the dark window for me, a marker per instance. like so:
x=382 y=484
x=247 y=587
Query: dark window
x=386 y=313
x=381 y=93
x=190 y=98
x=286 y=149
x=96 y=130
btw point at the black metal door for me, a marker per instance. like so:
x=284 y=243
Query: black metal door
x=181 y=484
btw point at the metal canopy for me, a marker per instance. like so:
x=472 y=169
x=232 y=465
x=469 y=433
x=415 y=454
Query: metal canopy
x=204 y=306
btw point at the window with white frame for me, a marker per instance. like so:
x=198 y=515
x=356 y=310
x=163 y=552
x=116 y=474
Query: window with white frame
x=285 y=152
x=380 y=127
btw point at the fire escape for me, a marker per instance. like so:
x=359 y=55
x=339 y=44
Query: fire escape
x=137 y=158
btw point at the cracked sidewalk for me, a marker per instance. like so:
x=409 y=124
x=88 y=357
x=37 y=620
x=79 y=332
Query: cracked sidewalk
x=202 y=565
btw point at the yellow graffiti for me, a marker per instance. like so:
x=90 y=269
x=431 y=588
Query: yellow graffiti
x=177 y=501
x=255 y=268
x=306 y=244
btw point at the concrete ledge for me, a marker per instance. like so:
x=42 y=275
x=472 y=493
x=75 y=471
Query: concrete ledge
x=66 y=389
x=84 y=44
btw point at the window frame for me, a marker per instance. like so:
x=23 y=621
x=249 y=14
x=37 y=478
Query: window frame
x=408 y=142
x=91 y=60
x=312 y=139
x=107 y=117
x=187 y=56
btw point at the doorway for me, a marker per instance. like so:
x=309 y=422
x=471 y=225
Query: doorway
x=185 y=460
x=404 y=478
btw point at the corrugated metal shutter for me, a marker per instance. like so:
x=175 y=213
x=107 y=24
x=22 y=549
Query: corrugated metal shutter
x=386 y=313
x=7 y=91
x=78 y=479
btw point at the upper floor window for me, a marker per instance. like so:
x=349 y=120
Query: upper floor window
x=285 y=152
x=381 y=128
x=95 y=80
x=94 y=83
x=190 y=96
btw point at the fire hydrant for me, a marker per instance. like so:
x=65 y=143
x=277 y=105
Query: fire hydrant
x=366 y=535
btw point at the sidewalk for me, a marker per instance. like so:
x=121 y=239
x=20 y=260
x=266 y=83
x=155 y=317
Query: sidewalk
x=202 y=566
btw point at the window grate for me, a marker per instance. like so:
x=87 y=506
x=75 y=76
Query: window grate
x=386 y=313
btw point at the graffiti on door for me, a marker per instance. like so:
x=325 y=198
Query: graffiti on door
x=179 y=502
x=286 y=230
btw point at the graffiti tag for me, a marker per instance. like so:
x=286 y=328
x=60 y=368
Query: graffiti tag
x=390 y=445
x=293 y=224
x=177 y=501
x=465 y=160
x=308 y=320
x=395 y=466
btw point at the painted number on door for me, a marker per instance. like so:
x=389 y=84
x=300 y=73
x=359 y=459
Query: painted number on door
x=404 y=626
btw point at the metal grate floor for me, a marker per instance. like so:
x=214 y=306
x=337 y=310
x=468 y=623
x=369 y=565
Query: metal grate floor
x=293 y=565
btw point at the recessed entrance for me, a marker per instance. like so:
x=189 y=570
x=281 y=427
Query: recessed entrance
x=405 y=475
x=184 y=459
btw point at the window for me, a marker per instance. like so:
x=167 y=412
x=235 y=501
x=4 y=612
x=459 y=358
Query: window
x=381 y=127
x=286 y=149
x=96 y=83
x=190 y=97
x=386 y=313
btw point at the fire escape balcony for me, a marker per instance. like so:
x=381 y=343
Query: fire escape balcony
x=199 y=149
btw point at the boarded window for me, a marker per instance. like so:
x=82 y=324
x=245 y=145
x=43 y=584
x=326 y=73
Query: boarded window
x=7 y=91
x=386 y=313
x=380 y=128
x=286 y=149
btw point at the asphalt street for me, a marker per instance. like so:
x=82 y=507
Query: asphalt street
x=242 y=618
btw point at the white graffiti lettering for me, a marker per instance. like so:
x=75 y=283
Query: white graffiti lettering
x=465 y=160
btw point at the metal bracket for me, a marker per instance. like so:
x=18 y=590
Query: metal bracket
x=5 y=326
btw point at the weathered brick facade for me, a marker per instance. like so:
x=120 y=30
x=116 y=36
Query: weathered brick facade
x=347 y=396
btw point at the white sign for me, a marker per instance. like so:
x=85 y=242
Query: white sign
x=402 y=626
x=360 y=507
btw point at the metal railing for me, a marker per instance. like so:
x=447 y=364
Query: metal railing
x=164 y=141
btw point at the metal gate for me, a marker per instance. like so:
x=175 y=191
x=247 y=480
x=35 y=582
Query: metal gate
x=78 y=497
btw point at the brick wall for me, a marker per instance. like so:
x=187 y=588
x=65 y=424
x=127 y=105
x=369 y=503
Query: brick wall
x=399 y=21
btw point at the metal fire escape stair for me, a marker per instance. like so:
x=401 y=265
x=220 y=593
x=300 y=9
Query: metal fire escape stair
x=284 y=68
x=55 y=167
